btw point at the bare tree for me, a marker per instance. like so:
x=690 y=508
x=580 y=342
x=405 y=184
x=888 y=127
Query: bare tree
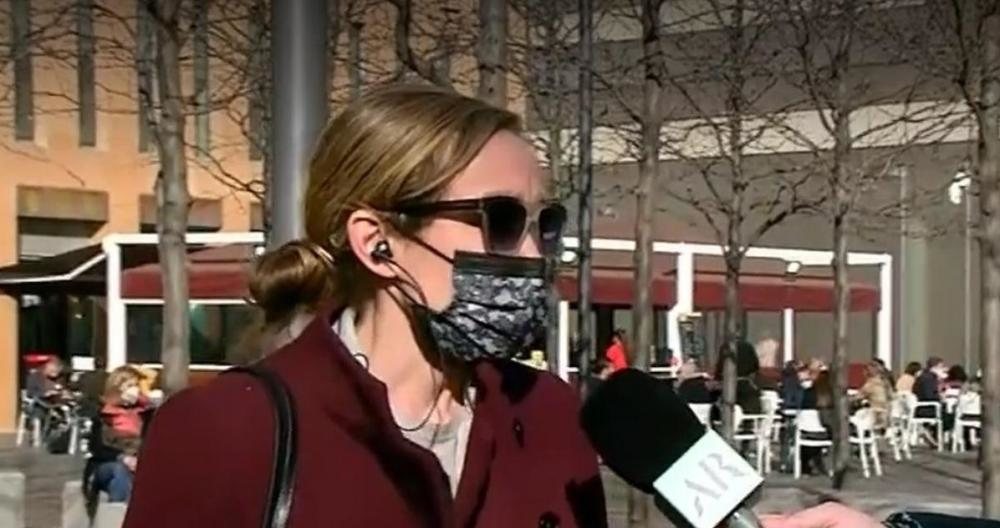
x=427 y=53
x=959 y=41
x=726 y=80
x=828 y=40
x=541 y=60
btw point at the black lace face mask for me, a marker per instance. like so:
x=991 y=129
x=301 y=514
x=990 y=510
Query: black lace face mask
x=498 y=310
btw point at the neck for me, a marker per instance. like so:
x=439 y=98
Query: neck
x=413 y=383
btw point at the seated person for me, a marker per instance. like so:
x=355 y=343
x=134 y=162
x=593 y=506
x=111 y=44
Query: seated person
x=956 y=378
x=927 y=386
x=905 y=382
x=116 y=437
x=692 y=384
x=48 y=384
x=818 y=395
x=876 y=393
x=90 y=385
x=792 y=386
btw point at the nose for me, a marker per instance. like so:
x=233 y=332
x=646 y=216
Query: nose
x=530 y=246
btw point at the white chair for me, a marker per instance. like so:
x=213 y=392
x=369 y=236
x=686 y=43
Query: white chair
x=864 y=437
x=898 y=430
x=917 y=423
x=753 y=428
x=808 y=422
x=703 y=411
x=968 y=414
x=770 y=404
x=29 y=413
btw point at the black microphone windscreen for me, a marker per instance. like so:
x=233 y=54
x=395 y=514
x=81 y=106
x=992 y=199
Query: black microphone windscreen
x=639 y=426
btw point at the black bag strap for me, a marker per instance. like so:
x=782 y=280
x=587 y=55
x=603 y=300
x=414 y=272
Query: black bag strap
x=282 y=482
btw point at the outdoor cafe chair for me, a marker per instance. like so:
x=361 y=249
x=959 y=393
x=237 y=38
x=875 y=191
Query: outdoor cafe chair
x=863 y=435
x=968 y=414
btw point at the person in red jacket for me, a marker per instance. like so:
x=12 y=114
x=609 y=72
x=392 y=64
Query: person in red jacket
x=392 y=322
x=616 y=354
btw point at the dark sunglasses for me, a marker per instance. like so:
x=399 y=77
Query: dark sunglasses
x=504 y=220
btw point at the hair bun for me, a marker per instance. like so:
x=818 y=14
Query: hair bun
x=296 y=275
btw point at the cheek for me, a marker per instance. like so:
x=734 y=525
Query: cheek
x=433 y=274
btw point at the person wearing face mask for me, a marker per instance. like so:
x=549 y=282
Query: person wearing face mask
x=116 y=437
x=392 y=325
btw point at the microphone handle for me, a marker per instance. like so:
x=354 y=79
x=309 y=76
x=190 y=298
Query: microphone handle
x=742 y=518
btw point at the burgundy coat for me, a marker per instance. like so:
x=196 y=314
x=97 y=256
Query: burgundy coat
x=207 y=459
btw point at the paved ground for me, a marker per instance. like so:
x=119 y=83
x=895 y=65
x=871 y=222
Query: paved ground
x=931 y=481
x=46 y=475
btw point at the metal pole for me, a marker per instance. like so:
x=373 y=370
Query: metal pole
x=298 y=107
x=585 y=330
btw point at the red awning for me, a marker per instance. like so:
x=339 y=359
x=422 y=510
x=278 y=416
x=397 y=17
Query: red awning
x=760 y=292
x=615 y=287
x=215 y=273
x=221 y=273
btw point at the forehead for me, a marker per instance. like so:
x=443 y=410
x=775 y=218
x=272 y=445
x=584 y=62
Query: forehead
x=506 y=166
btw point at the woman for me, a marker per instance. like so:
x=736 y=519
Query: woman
x=116 y=437
x=905 y=382
x=818 y=395
x=876 y=392
x=392 y=323
x=617 y=352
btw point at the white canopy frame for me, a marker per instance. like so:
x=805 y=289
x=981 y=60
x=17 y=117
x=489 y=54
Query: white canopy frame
x=116 y=305
x=117 y=314
x=685 y=289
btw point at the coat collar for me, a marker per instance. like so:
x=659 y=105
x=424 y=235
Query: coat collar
x=359 y=402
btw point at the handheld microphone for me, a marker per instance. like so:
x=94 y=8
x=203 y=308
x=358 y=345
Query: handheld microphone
x=652 y=440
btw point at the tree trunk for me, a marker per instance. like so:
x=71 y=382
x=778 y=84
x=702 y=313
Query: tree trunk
x=989 y=187
x=649 y=170
x=839 y=179
x=838 y=367
x=584 y=326
x=733 y=332
x=839 y=183
x=492 y=52
x=172 y=197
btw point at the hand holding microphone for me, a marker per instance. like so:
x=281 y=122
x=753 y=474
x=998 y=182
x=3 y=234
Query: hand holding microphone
x=652 y=440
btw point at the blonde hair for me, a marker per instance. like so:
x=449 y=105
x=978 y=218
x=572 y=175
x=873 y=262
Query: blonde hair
x=393 y=145
x=119 y=377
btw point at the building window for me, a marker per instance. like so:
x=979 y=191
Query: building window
x=24 y=105
x=85 y=72
x=144 y=70
x=216 y=333
x=201 y=79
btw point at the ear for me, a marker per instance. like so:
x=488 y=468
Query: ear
x=364 y=232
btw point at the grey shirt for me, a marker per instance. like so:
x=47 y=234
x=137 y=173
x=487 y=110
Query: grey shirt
x=448 y=441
